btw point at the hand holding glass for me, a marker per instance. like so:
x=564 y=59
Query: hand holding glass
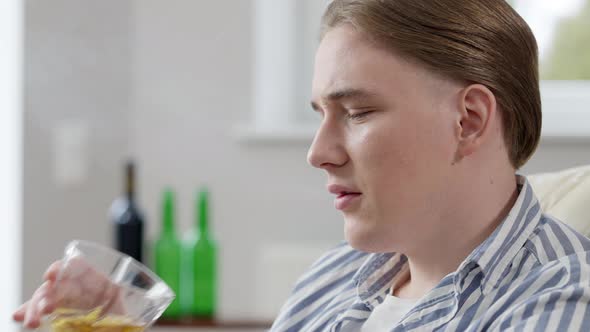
x=94 y=288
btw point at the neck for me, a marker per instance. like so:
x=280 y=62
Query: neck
x=484 y=203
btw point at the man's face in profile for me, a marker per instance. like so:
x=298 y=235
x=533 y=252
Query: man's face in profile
x=387 y=139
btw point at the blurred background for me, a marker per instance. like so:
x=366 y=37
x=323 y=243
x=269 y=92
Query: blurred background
x=200 y=93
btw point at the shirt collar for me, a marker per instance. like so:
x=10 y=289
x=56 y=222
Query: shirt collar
x=493 y=256
x=374 y=278
x=497 y=252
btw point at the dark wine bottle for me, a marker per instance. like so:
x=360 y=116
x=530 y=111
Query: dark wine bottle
x=127 y=219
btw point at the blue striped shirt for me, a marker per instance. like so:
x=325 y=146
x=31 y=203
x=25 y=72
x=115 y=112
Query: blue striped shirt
x=531 y=274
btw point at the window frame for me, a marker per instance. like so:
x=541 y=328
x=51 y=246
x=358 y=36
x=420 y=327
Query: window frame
x=11 y=115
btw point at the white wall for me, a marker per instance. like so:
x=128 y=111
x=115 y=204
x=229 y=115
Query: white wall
x=10 y=158
x=77 y=78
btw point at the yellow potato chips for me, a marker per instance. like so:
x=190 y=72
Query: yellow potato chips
x=68 y=320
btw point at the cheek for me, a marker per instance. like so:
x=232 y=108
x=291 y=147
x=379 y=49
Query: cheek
x=386 y=147
x=391 y=157
x=383 y=156
x=428 y=140
x=437 y=139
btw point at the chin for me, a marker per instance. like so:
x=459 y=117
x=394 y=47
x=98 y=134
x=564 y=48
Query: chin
x=363 y=235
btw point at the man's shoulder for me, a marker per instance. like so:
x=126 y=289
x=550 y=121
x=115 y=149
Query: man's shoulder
x=567 y=270
x=556 y=289
x=324 y=290
x=562 y=255
x=560 y=259
x=554 y=240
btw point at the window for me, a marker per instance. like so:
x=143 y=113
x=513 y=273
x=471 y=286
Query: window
x=284 y=48
x=562 y=29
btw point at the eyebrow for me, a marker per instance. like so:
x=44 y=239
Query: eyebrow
x=348 y=93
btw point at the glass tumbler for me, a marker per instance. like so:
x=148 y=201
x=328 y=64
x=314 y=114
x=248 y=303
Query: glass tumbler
x=98 y=289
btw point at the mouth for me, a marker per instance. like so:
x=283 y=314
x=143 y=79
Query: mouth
x=345 y=200
x=345 y=196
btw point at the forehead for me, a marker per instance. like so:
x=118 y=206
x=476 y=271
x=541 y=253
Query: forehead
x=346 y=59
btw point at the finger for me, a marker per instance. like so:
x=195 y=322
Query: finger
x=114 y=298
x=32 y=319
x=46 y=305
x=52 y=271
x=19 y=314
x=48 y=302
x=32 y=315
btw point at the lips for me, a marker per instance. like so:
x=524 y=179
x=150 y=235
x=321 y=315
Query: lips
x=345 y=196
x=345 y=201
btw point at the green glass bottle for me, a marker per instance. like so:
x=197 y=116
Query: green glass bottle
x=167 y=254
x=202 y=250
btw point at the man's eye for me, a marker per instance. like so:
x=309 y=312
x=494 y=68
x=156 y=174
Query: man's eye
x=358 y=115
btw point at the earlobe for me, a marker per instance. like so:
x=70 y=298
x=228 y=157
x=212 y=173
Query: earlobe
x=477 y=110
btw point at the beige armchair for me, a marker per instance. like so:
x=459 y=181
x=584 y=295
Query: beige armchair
x=566 y=196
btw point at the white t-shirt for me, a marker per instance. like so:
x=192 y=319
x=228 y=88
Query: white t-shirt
x=388 y=314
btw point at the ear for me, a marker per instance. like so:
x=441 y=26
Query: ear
x=476 y=113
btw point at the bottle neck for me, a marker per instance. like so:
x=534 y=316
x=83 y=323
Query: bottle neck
x=168 y=214
x=130 y=181
x=203 y=213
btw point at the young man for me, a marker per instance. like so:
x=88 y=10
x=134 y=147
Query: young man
x=428 y=109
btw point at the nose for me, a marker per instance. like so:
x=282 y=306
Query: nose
x=327 y=149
